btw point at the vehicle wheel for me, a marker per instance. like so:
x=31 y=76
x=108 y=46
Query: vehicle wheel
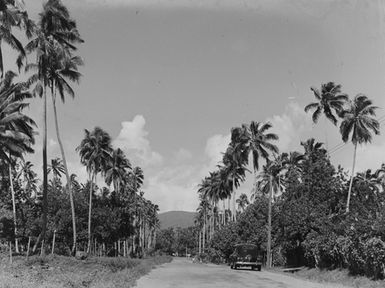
x=235 y=267
x=231 y=266
x=259 y=268
x=253 y=267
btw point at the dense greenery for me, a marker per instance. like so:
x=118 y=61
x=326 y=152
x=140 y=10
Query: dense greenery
x=52 y=214
x=304 y=211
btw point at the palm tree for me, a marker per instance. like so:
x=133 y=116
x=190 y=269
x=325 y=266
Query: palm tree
x=116 y=169
x=16 y=129
x=242 y=201
x=380 y=175
x=269 y=182
x=135 y=178
x=293 y=164
x=234 y=161
x=312 y=148
x=13 y=15
x=329 y=99
x=259 y=142
x=359 y=121
x=56 y=167
x=56 y=66
x=94 y=150
x=29 y=178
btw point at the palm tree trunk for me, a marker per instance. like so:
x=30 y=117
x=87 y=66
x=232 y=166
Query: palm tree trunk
x=90 y=211
x=268 y=264
x=351 y=178
x=224 y=212
x=13 y=203
x=45 y=176
x=69 y=184
x=234 y=197
x=204 y=232
x=199 y=243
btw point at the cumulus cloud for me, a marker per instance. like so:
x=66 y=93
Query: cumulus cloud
x=215 y=147
x=174 y=188
x=133 y=140
x=182 y=155
x=289 y=126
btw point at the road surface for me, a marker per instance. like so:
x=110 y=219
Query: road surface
x=184 y=273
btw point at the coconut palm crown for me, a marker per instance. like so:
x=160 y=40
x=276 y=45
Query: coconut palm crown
x=329 y=99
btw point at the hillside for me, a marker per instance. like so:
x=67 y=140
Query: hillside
x=175 y=219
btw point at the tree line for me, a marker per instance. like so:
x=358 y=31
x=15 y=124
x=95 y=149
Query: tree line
x=117 y=217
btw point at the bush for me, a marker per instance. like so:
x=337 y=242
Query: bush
x=374 y=251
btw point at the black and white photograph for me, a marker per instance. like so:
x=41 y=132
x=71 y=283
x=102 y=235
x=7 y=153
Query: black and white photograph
x=192 y=143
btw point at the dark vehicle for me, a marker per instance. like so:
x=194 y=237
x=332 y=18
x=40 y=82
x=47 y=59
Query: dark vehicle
x=246 y=255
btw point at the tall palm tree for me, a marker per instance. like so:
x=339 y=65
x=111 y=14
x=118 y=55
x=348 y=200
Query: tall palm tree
x=56 y=39
x=329 y=100
x=94 y=150
x=16 y=129
x=358 y=121
x=13 y=15
x=117 y=166
x=259 y=142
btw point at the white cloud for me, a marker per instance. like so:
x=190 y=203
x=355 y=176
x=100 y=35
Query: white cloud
x=289 y=126
x=133 y=140
x=174 y=187
x=215 y=147
x=182 y=155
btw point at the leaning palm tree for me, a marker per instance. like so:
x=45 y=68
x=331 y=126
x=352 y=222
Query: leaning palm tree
x=94 y=150
x=329 y=100
x=358 y=121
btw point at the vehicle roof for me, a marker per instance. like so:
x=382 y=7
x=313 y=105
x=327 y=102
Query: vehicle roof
x=246 y=244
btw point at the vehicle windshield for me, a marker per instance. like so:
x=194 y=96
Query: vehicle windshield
x=243 y=250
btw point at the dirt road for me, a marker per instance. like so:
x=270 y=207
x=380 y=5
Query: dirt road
x=183 y=273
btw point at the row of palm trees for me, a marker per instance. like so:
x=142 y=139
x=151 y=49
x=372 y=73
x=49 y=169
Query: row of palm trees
x=99 y=157
x=254 y=142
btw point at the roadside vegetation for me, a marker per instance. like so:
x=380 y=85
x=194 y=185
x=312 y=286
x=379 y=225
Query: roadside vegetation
x=303 y=210
x=59 y=271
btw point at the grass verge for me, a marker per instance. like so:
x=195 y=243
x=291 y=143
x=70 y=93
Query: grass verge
x=339 y=276
x=60 y=271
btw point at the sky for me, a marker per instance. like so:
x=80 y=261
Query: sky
x=169 y=79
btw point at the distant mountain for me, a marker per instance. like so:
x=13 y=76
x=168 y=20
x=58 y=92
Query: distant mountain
x=175 y=219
